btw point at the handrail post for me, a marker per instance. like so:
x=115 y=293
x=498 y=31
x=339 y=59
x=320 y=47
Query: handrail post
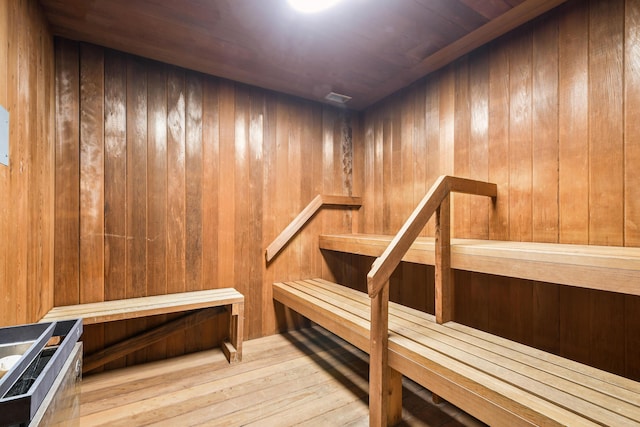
x=443 y=277
x=378 y=359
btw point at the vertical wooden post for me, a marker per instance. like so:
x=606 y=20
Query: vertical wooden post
x=233 y=347
x=378 y=360
x=444 y=282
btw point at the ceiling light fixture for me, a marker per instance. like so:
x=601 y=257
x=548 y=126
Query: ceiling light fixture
x=312 y=6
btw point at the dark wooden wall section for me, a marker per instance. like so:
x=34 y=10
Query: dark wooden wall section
x=550 y=113
x=169 y=181
x=26 y=185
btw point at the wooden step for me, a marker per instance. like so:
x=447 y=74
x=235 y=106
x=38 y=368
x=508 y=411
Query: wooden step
x=494 y=379
x=607 y=268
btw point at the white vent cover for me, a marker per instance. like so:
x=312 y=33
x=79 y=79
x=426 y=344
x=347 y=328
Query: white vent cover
x=338 y=98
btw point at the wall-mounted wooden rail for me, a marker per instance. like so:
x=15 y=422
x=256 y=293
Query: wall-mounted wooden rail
x=318 y=202
x=437 y=200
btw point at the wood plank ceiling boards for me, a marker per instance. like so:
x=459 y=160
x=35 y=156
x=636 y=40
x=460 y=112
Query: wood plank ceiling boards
x=366 y=49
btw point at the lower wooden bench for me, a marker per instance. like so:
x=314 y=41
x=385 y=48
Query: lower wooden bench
x=496 y=380
x=202 y=305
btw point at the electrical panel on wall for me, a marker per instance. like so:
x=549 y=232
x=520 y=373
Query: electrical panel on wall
x=4 y=136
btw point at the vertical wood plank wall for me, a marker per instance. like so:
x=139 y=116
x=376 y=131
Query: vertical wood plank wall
x=550 y=113
x=27 y=184
x=169 y=180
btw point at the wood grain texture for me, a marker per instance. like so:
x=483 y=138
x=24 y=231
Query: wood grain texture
x=196 y=169
x=27 y=219
x=545 y=149
x=115 y=176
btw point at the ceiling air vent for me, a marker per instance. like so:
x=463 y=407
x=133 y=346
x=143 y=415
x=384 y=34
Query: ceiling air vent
x=337 y=98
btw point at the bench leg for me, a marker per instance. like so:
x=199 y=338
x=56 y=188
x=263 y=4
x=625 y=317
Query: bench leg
x=394 y=414
x=233 y=348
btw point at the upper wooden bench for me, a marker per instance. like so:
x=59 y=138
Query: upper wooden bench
x=207 y=303
x=607 y=268
x=501 y=382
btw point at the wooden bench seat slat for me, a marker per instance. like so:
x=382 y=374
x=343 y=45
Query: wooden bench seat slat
x=548 y=380
x=518 y=360
x=132 y=308
x=508 y=374
x=107 y=311
x=608 y=268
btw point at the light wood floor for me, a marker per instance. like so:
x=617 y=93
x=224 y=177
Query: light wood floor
x=307 y=377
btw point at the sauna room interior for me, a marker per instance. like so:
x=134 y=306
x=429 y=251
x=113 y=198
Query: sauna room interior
x=167 y=148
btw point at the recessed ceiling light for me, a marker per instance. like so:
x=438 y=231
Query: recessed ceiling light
x=312 y=6
x=337 y=97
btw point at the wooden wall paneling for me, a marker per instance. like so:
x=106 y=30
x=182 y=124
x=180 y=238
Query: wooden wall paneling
x=242 y=233
x=294 y=201
x=43 y=283
x=193 y=182
x=446 y=96
x=632 y=178
x=573 y=169
x=211 y=331
x=115 y=179
x=176 y=238
x=397 y=205
x=226 y=180
x=479 y=140
x=545 y=130
x=408 y=160
x=5 y=316
x=308 y=236
x=545 y=174
x=378 y=172
x=282 y=211
x=91 y=218
x=273 y=314
x=399 y=287
x=311 y=168
x=328 y=186
x=461 y=221
x=420 y=148
x=606 y=153
x=471 y=298
x=156 y=197
x=256 y=213
x=520 y=172
x=20 y=181
x=91 y=173
x=193 y=196
x=632 y=124
x=67 y=161
x=26 y=92
x=499 y=157
x=606 y=163
x=387 y=170
x=16 y=293
x=520 y=136
x=30 y=60
x=499 y=160
x=358 y=169
x=573 y=134
x=432 y=140
x=136 y=190
x=368 y=194
x=632 y=337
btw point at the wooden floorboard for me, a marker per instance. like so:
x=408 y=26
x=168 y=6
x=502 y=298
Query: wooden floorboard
x=308 y=377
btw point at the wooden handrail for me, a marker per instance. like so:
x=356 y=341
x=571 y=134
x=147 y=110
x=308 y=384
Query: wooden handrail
x=384 y=266
x=437 y=201
x=304 y=216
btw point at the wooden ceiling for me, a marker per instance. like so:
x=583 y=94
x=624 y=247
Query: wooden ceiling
x=366 y=49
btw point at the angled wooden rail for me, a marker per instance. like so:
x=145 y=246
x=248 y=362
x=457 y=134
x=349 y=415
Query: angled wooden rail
x=304 y=216
x=382 y=379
